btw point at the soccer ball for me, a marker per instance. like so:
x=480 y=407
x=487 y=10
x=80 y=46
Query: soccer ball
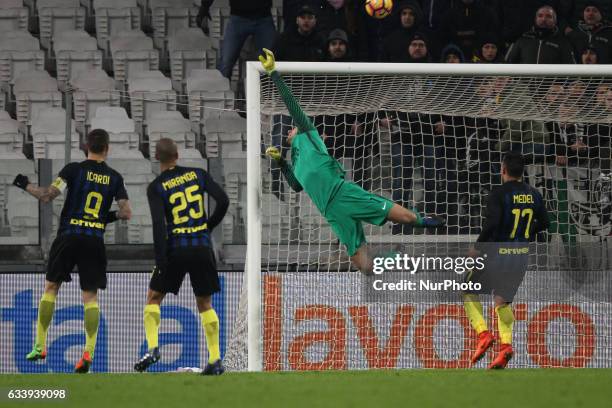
x=378 y=8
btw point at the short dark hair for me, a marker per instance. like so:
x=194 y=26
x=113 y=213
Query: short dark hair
x=166 y=150
x=514 y=164
x=97 y=141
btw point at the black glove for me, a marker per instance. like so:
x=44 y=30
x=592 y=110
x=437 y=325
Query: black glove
x=159 y=268
x=111 y=217
x=21 y=181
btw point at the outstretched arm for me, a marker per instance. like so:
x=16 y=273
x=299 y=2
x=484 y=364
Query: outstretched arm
x=299 y=117
x=44 y=194
x=285 y=168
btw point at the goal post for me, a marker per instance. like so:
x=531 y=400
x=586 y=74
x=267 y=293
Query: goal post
x=299 y=246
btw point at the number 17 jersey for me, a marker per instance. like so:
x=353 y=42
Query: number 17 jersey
x=181 y=192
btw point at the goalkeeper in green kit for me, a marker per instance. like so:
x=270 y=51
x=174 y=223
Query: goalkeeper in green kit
x=344 y=204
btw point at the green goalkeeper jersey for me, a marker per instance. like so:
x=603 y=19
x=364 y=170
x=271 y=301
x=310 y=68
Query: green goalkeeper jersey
x=320 y=175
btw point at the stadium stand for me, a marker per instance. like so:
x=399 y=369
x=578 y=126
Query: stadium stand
x=124 y=139
x=18 y=212
x=225 y=134
x=49 y=134
x=148 y=95
x=13 y=15
x=189 y=49
x=92 y=88
x=115 y=16
x=35 y=90
x=207 y=91
x=19 y=52
x=75 y=51
x=11 y=139
x=56 y=16
x=170 y=124
x=132 y=51
x=170 y=16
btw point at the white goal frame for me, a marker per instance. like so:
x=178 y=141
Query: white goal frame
x=254 y=182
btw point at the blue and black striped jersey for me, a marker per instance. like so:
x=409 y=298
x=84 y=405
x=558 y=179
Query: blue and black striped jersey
x=92 y=186
x=176 y=198
x=516 y=212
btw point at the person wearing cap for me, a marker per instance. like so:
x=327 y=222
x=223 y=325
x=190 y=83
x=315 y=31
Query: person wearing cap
x=452 y=54
x=410 y=17
x=417 y=50
x=304 y=43
x=543 y=44
x=593 y=31
x=247 y=18
x=338 y=47
x=488 y=51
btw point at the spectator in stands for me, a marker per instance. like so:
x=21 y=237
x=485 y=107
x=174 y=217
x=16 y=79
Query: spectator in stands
x=303 y=43
x=434 y=11
x=452 y=54
x=589 y=55
x=543 y=44
x=593 y=31
x=371 y=33
x=576 y=9
x=467 y=21
x=337 y=49
x=418 y=50
x=411 y=20
x=488 y=52
x=246 y=18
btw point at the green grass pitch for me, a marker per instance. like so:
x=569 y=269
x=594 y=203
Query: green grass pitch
x=377 y=388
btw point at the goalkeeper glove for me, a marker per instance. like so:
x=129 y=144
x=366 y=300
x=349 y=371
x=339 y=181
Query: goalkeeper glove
x=21 y=181
x=268 y=61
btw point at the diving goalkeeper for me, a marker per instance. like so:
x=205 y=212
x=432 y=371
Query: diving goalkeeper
x=344 y=204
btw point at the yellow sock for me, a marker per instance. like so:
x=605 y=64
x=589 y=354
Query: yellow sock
x=92 y=320
x=473 y=310
x=152 y=320
x=210 y=322
x=505 y=321
x=45 y=315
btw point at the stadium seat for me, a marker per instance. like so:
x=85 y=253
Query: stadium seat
x=75 y=51
x=49 y=134
x=132 y=51
x=11 y=140
x=124 y=140
x=169 y=124
x=225 y=133
x=170 y=16
x=35 y=90
x=148 y=95
x=189 y=49
x=92 y=89
x=137 y=175
x=17 y=206
x=115 y=16
x=208 y=92
x=19 y=52
x=56 y=16
x=219 y=13
x=13 y=15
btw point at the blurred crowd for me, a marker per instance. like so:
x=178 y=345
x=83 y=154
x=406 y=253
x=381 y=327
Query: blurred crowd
x=457 y=157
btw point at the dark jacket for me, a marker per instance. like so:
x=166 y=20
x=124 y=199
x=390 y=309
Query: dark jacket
x=328 y=18
x=600 y=38
x=464 y=24
x=576 y=9
x=395 y=45
x=371 y=33
x=517 y=16
x=293 y=46
x=541 y=47
x=243 y=8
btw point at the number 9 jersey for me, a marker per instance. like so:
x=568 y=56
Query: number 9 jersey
x=92 y=186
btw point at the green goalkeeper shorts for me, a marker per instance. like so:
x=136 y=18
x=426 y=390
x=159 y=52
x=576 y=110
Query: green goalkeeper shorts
x=351 y=206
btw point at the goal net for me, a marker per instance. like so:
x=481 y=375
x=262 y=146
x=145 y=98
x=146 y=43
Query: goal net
x=430 y=137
